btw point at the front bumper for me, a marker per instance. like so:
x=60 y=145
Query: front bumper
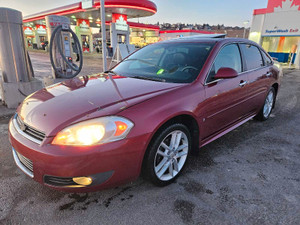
x=109 y=164
x=23 y=163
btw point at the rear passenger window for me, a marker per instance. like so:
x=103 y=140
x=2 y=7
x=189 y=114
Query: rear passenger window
x=228 y=57
x=252 y=56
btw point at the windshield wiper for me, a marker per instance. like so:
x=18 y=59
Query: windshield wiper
x=149 y=78
x=110 y=71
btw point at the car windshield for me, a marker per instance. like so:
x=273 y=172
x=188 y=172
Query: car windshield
x=166 y=62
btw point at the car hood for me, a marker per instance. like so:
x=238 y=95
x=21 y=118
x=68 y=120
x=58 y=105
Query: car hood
x=63 y=103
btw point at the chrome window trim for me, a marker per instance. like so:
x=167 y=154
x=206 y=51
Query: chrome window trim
x=263 y=60
x=214 y=81
x=246 y=71
x=23 y=133
x=262 y=67
x=20 y=165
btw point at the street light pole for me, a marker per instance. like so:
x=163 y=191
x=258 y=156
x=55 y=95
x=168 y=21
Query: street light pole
x=245 y=23
x=103 y=32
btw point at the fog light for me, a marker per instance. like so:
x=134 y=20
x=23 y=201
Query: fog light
x=83 y=180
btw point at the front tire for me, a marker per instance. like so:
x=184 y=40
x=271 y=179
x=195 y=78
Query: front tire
x=167 y=154
x=268 y=106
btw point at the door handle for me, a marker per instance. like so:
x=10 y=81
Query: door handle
x=268 y=74
x=243 y=83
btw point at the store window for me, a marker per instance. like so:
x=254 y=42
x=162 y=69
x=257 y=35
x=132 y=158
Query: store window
x=270 y=44
x=290 y=44
x=253 y=56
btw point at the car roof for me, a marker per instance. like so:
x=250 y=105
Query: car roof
x=207 y=39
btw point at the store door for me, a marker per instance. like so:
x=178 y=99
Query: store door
x=42 y=42
x=29 y=42
x=85 y=43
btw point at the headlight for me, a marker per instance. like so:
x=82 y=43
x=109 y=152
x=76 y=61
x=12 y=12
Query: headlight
x=94 y=131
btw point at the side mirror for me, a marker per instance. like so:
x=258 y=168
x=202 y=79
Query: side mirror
x=226 y=73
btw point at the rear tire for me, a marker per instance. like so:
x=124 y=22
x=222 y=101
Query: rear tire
x=167 y=154
x=268 y=106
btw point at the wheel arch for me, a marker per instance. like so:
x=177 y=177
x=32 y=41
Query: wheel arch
x=186 y=119
x=276 y=87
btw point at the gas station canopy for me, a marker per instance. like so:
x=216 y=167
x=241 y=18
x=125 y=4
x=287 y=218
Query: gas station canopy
x=131 y=8
x=85 y=21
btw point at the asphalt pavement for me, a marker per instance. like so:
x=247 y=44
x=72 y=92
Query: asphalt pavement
x=92 y=63
x=249 y=176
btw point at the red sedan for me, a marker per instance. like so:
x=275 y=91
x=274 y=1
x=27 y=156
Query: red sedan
x=147 y=115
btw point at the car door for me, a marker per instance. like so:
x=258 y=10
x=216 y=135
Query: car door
x=225 y=98
x=258 y=72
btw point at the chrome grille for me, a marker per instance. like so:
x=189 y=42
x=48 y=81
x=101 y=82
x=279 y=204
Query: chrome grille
x=27 y=131
x=25 y=161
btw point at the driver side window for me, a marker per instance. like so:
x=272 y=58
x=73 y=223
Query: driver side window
x=229 y=57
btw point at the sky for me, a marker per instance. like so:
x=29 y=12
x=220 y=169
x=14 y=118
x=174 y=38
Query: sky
x=213 y=12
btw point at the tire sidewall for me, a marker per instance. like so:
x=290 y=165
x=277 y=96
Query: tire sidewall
x=152 y=150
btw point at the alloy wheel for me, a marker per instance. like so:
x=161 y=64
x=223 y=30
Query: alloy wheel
x=268 y=104
x=171 y=155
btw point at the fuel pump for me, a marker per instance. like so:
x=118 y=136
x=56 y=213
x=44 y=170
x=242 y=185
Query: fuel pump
x=61 y=48
x=16 y=76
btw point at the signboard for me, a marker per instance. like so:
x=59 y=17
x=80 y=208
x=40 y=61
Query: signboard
x=41 y=29
x=282 y=18
x=282 y=5
x=275 y=25
x=84 y=25
x=28 y=31
x=282 y=31
x=53 y=21
x=121 y=22
x=87 y=4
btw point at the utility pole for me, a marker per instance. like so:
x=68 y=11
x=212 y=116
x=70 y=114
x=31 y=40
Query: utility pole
x=245 y=23
x=103 y=31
